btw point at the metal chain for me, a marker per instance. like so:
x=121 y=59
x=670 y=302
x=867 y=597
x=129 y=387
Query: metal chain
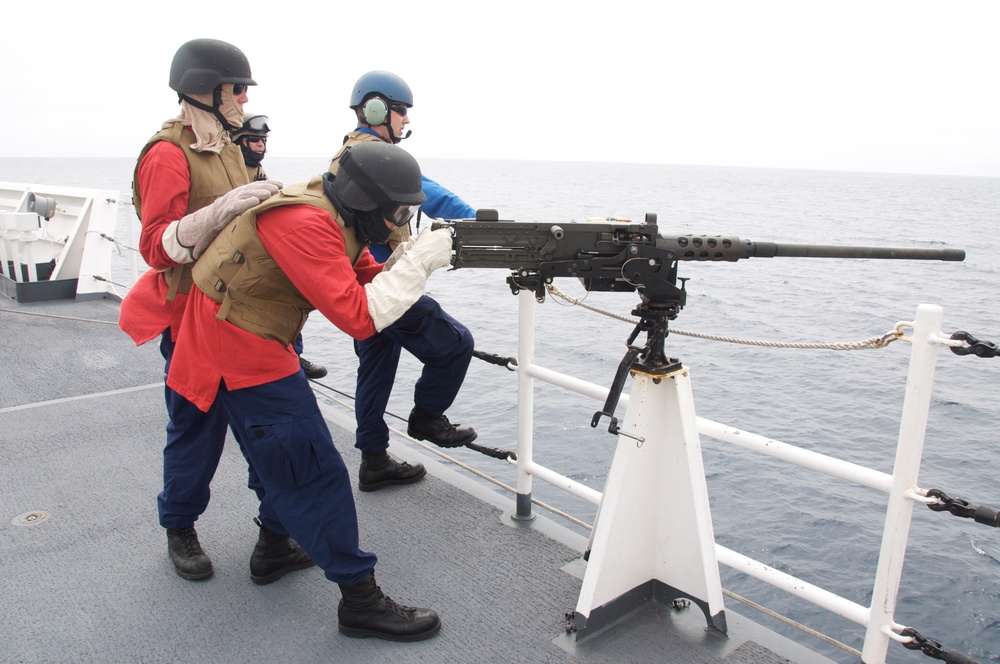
x=874 y=342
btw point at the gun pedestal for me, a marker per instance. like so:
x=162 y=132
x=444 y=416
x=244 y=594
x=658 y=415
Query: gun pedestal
x=653 y=538
x=653 y=535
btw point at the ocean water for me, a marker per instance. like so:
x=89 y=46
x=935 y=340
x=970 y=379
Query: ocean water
x=845 y=404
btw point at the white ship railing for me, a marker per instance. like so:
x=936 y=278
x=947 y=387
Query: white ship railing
x=56 y=242
x=901 y=487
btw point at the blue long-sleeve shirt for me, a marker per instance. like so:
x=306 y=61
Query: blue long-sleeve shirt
x=441 y=203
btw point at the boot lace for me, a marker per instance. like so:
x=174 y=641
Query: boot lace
x=391 y=604
x=400 y=610
x=188 y=540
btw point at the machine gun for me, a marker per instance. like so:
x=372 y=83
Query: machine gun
x=613 y=255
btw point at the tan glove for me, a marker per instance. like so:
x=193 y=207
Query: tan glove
x=187 y=238
x=394 y=291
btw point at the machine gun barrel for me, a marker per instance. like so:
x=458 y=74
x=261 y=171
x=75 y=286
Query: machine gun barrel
x=781 y=250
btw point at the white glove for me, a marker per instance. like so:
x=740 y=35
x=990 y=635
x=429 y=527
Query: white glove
x=399 y=251
x=394 y=291
x=187 y=238
x=432 y=248
x=438 y=243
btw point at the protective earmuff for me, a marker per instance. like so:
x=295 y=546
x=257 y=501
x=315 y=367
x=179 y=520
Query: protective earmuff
x=375 y=111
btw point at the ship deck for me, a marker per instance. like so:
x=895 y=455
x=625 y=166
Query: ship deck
x=86 y=576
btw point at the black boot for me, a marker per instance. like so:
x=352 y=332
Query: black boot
x=187 y=555
x=366 y=611
x=380 y=470
x=275 y=555
x=313 y=371
x=438 y=430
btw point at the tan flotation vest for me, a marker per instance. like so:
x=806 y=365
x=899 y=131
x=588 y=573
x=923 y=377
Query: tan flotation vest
x=237 y=272
x=399 y=235
x=212 y=176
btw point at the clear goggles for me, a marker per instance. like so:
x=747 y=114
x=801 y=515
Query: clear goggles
x=402 y=215
x=257 y=123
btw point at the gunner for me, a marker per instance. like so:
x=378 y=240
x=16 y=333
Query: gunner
x=305 y=249
x=381 y=101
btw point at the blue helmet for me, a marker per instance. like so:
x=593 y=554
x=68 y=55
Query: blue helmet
x=383 y=84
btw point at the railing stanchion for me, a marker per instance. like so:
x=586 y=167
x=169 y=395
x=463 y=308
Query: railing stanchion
x=525 y=401
x=899 y=510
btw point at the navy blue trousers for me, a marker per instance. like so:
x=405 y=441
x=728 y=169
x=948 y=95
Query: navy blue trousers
x=191 y=456
x=195 y=441
x=440 y=342
x=305 y=482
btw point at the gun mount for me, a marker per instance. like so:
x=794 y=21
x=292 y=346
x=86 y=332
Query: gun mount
x=626 y=256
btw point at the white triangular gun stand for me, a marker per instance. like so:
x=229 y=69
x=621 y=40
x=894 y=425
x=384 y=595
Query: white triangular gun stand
x=653 y=537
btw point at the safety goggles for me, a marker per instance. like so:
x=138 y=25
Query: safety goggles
x=402 y=215
x=256 y=139
x=258 y=123
x=399 y=108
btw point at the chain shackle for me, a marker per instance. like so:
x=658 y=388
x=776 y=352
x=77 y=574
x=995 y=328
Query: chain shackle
x=959 y=507
x=510 y=363
x=933 y=649
x=975 y=346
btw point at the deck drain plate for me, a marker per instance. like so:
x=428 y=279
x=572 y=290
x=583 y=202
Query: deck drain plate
x=30 y=518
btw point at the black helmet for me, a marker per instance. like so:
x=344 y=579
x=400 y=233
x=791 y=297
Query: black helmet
x=384 y=84
x=374 y=175
x=254 y=124
x=201 y=64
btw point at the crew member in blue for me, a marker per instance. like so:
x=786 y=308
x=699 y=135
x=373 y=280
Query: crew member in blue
x=381 y=101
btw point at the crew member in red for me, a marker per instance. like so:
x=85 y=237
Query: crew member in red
x=305 y=249
x=189 y=182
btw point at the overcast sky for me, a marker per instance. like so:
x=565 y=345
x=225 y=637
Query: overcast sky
x=878 y=85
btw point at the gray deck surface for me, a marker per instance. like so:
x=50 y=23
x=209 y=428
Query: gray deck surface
x=81 y=434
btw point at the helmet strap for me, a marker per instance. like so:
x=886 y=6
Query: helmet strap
x=217 y=101
x=396 y=140
x=368 y=225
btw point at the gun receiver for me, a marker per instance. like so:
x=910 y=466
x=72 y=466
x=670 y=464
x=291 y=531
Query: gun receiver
x=626 y=256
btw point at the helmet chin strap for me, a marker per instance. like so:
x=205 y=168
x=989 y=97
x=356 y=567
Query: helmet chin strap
x=396 y=139
x=214 y=110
